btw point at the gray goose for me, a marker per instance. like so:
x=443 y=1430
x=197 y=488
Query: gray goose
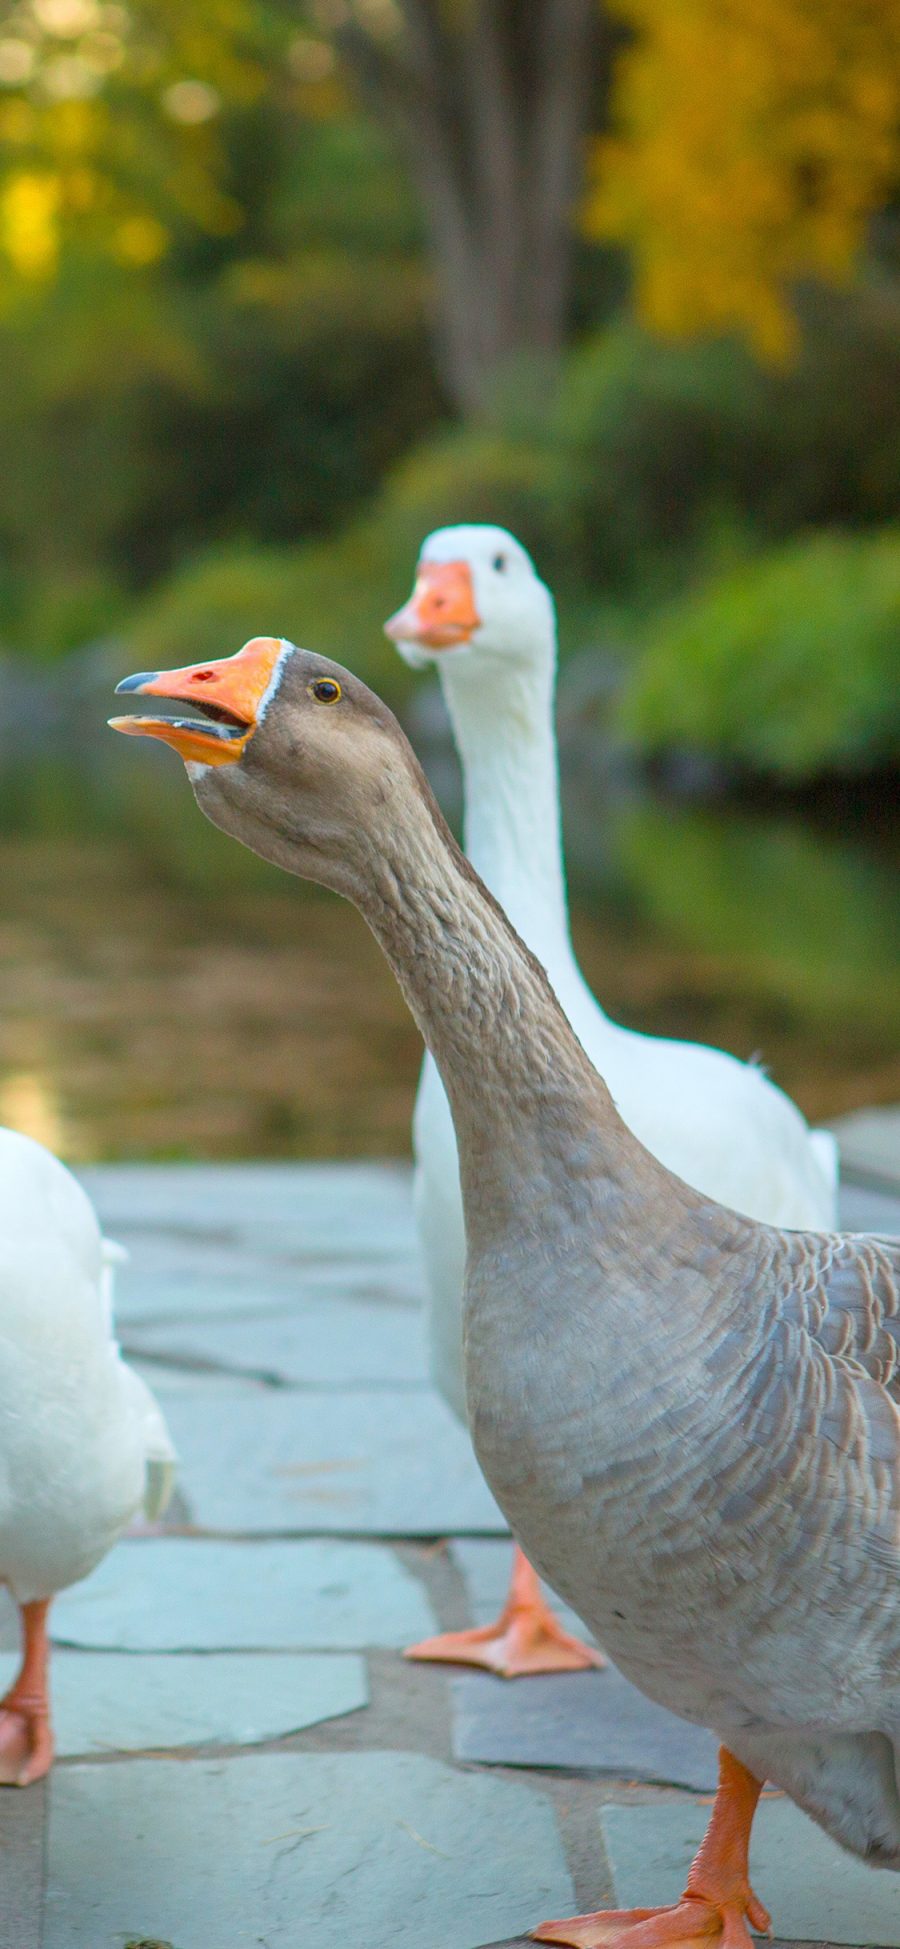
x=690 y=1419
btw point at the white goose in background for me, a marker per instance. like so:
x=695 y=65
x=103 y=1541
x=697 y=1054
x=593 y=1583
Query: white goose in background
x=482 y=616
x=83 y=1444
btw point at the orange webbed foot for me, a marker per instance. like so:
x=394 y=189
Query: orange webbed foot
x=526 y=1639
x=692 y=1923
x=718 y=1901
x=26 y=1742
x=512 y=1648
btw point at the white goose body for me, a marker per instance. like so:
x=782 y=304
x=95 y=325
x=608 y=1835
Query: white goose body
x=83 y=1445
x=719 y=1123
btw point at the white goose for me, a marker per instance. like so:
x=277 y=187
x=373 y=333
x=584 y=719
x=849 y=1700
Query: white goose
x=480 y=614
x=83 y=1445
x=692 y=1420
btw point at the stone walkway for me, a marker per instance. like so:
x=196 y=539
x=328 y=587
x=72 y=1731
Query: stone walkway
x=244 y=1757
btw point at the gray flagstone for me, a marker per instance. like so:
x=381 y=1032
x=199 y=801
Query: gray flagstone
x=199 y=1594
x=107 y=1702
x=379 y=1463
x=330 y=1342
x=592 y=1721
x=390 y=1850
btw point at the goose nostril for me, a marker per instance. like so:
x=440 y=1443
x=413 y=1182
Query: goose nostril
x=203 y=677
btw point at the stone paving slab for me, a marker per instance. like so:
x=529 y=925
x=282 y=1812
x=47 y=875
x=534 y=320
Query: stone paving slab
x=107 y=1703
x=182 y=1278
x=22 y=1827
x=324 y=1343
x=587 y=1721
x=220 y=1239
x=485 y=1563
x=198 y=1594
x=379 y=1464
x=389 y=1850
x=325 y=1209
x=813 y=1890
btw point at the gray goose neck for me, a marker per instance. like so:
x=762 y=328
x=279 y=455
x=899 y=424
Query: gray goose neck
x=532 y=1116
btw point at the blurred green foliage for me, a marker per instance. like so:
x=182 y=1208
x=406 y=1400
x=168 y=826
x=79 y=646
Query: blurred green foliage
x=788 y=666
x=806 y=914
x=334 y=595
x=661 y=446
x=247 y=435
x=659 y=484
x=256 y=384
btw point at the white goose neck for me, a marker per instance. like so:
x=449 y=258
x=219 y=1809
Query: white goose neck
x=503 y=724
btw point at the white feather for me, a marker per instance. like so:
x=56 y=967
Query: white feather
x=83 y=1444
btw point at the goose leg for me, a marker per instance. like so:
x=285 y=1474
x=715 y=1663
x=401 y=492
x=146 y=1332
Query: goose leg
x=718 y=1901
x=526 y=1638
x=26 y=1742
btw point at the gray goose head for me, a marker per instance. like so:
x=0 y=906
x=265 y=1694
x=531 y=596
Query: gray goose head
x=286 y=751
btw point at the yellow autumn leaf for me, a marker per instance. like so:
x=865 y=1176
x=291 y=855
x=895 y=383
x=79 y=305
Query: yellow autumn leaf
x=29 y=207
x=751 y=143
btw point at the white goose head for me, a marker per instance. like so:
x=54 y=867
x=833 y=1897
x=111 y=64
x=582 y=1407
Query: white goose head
x=478 y=604
x=480 y=614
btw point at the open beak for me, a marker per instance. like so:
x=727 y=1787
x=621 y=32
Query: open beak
x=441 y=611
x=229 y=698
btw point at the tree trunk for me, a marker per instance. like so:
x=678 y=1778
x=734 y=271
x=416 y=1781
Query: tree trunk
x=492 y=102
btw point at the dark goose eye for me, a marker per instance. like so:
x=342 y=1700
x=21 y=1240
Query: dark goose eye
x=499 y=563
x=325 y=690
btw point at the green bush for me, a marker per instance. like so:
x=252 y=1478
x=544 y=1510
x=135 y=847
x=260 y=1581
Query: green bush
x=332 y=597
x=662 y=448
x=255 y=385
x=787 y=666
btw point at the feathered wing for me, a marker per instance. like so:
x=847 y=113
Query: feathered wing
x=836 y=1327
x=845 y=1292
x=824 y=1405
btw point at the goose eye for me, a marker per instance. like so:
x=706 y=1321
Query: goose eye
x=325 y=690
x=499 y=563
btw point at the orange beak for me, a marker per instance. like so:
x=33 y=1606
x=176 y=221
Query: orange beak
x=441 y=611
x=230 y=694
